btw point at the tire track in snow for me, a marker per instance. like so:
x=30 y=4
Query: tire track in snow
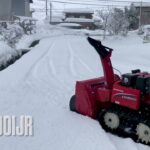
x=49 y=81
x=35 y=64
x=52 y=68
x=53 y=73
x=39 y=67
x=71 y=59
x=75 y=58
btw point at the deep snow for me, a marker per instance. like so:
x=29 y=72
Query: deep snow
x=42 y=81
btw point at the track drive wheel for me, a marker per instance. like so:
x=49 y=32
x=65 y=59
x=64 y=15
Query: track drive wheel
x=143 y=133
x=110 y=121
x=72 y=103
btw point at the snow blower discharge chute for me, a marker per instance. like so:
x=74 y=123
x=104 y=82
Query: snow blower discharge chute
x=120 y=104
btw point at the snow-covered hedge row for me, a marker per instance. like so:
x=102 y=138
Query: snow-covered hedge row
x=7 y=54
x=117 y=21
x=11 y=34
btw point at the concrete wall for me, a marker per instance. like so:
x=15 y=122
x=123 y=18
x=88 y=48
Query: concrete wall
x=27 y=8
x=21 y=7
x=18 y=7
x=5 y=9
x=14 y=7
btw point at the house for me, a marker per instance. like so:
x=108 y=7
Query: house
x=84 y=17
x=79 y=13
x=143 y=10
x=9 y=8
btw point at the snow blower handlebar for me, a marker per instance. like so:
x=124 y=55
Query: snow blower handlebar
x=105 y=54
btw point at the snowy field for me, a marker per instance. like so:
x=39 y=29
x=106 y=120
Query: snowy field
x=41 y=83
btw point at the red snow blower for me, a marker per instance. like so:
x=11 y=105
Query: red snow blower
x=120 y=104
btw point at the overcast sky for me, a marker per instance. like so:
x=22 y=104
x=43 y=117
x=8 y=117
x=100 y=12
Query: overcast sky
x=92 y=3
x=98 y=4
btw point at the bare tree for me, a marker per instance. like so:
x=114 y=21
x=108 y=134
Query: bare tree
x=104 y=15
x=117 y=22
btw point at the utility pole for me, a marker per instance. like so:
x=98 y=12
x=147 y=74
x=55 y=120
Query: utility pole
x=46 y=6
x=50 y=13
x=140 y=15
x=140 y=19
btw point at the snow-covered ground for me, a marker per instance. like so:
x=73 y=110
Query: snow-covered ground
x=41 y=83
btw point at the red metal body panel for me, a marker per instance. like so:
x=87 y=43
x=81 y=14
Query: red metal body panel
x=92 y=95
x=103 y=95
x=126 y=96
x=86 y=103
x=108 y=71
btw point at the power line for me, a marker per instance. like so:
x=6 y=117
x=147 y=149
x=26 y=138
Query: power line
x=78 y=3
x=104 y=3
x=85 y=2
x=61 y=9
x=90 y=4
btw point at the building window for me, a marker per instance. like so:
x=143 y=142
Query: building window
x=82 y=16
x=146 y=14
x=71 y=16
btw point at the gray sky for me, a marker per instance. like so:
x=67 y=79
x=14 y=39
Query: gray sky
x=98 y=4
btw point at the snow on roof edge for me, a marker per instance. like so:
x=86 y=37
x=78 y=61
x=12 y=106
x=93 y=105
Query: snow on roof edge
x=78 y=11
x=141 y=4
x=79 y=20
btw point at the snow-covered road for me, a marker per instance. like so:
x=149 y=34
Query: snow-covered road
x=41 y=83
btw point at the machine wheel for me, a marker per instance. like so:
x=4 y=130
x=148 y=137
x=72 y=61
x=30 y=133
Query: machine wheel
x=143 y=133
x=72 y=103
x=111 y=120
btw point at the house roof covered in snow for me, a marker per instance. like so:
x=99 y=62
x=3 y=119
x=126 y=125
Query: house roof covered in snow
x=69 y=24
x=78 y=20
x=141 y=4
x=79 y=10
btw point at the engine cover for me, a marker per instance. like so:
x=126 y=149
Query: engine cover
x=125 y=96
x=143 y=84
x=129 y=79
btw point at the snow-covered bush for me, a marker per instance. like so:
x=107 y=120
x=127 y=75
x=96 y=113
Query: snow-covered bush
x=113 y=21
x=28 y=26
x=117 y=23
x=12 y=34
x=101 y=18
x=132 y=17
x=97 y=18
x=6 y=54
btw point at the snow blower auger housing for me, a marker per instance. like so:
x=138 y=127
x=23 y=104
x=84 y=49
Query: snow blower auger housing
x=120 y=104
